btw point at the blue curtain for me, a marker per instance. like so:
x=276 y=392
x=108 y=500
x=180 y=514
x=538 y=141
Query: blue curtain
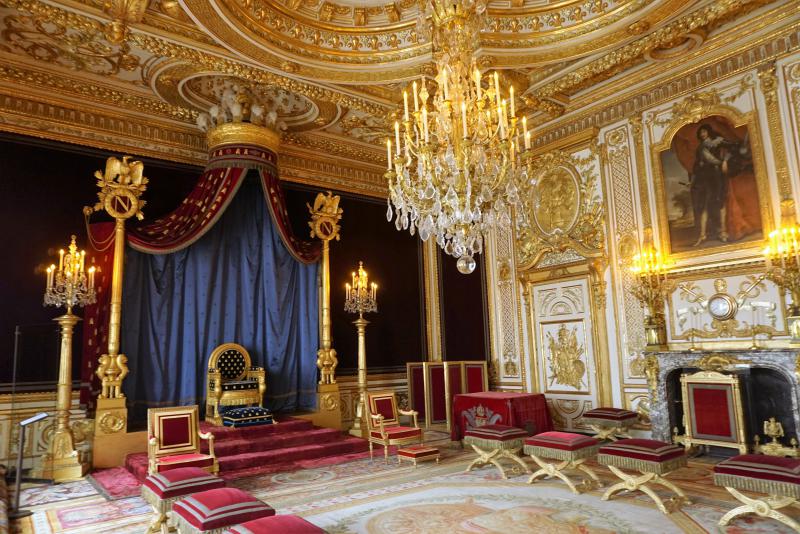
x=238 y=283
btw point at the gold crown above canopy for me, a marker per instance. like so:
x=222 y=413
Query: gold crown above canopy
x=243 y=133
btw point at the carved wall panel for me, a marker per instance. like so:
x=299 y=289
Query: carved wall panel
x=566 y=357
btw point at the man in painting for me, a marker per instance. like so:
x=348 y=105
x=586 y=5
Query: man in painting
x=716 y=161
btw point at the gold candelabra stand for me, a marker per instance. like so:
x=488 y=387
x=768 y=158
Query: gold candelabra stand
x=68 y=285
x=651 y=289
x=121 y=186
x=361 y=297
x=782 y=255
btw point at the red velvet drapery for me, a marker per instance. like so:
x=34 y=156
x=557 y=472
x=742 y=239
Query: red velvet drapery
x=198 y=212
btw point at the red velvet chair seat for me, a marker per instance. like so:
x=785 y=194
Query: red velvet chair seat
x=217 y=509
x=760 y=473
x=397 y=432
x=166 y=463
x=561 y=445
x=645 y=455
x=276 y=524
x=602 y=416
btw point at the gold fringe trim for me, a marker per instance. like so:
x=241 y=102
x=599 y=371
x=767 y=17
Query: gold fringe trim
x=757 y=485
x=486 y=443
x=558 y=454
x=184 y=527
x=609 y=423
x=643 y=466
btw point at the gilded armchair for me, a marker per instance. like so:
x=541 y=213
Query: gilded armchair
x=232 y=381
x=173 y=440
x=384 y=426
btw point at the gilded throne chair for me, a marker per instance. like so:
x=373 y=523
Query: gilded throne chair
x=232 y=381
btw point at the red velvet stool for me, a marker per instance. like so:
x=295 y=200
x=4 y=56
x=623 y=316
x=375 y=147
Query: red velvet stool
x=610 y=423
x=652 y=459
x=163 y=489
x=778 y=477
x=417 y=453
x=214 y=510
x=493 y=442
x=571 y=449
x=276 y=524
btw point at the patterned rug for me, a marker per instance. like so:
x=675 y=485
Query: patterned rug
x=371 y=496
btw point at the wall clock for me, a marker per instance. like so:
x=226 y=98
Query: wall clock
x=722 y=306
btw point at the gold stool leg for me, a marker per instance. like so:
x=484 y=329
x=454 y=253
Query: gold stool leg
x=765 y=507
x=634 y=483
x=513 y=454
x=556 y=470
x=612 y=433
x=486 y=457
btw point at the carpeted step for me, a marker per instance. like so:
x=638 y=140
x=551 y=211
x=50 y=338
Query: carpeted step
x=224 y=433
x=282 y=440
x=272 y=461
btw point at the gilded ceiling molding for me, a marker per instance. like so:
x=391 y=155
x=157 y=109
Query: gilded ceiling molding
x=718 y=12
x=91 y=126
x=629 y=102
x=203 y=60
x=303 y=167
x=34 y=79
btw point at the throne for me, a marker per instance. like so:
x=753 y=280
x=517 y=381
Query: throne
x=172 y=440
x=232 y=381
x=384 y=426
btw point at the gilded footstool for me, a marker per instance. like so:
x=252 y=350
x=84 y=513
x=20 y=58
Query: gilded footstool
x=276 y=524
x=653 y=459
x=493 y=442
x=417 y=453
x=212 y=511
x=610 y=423
x=778 y=477
x=163 y=489
x=572 y=449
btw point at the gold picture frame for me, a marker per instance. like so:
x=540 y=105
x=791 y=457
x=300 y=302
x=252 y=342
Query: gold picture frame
x=697 y=111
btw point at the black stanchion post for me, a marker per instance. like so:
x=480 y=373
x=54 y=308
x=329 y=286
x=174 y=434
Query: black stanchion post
x=16 y=513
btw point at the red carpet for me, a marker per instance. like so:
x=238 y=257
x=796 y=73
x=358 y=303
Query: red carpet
x=289 y=445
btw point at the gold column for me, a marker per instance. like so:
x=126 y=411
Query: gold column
x=359 y=428
x=120 y=188
x=324 y=223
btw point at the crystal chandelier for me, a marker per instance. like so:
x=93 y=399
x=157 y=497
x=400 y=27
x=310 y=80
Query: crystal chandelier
x=453 y=171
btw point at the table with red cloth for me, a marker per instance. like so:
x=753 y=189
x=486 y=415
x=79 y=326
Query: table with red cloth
x=472 y=410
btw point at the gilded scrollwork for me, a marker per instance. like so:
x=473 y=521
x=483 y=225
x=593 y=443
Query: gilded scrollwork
x=563 y=203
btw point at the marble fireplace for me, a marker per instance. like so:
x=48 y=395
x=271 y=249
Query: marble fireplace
x=770 y=381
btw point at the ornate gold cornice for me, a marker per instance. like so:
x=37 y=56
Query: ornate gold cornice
x=610 y=64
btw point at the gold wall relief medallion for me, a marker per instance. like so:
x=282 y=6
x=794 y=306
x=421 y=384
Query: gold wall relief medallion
x=566 y=363
x=717 y=362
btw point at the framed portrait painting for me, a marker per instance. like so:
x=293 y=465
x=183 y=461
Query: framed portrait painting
x=711 y=188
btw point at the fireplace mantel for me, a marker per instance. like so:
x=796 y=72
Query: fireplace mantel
x=661 y=364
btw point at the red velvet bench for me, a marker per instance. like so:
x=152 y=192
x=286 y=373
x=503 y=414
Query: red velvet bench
x=653 y=459
x=276 y=524
x=572 y=449
x=778 y=477
x=610 y=423
x=163 y=489
x=493 y=442
x=212 y=511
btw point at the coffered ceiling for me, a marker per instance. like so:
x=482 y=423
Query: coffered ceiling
x=334 y=70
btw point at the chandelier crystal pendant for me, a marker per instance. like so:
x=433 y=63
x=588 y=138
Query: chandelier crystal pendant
x=454 y=164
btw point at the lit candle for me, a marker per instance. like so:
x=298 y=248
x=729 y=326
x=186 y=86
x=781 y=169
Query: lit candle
x=347 y=291
x=91 y=277
x=527 y=140
x=50 y=276
x=83 y=259
x=464 y=119
x=374 y=291
x=61 y=260
x=389 y=154
x=425 y=123
x=416 y=100
x=511 y=98
x=478 y=83
x=497 y=88
x=525 y=128
x=405 y=105
x=397 y=137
